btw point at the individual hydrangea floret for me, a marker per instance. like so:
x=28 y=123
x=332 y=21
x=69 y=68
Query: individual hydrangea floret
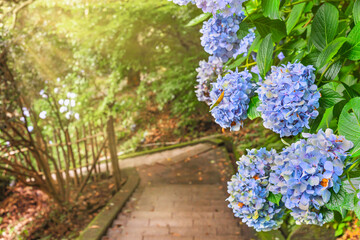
x=281 y=56
x=234 y=90
x=182 y=2
x=245 y=43
x=208 y=72
x=248 y=191
x=289 y=98
x=220 y=35
x=305 y=171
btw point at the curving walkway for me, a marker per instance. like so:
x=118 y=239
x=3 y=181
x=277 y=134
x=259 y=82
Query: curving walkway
x=182 y=199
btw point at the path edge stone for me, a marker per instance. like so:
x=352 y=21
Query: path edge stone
x=97 y=228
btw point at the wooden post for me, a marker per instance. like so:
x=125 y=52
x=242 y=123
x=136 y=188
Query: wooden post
x=113 y=153
x=86 y=150
x=78 y=151
x=93 y=150
x=105 y=149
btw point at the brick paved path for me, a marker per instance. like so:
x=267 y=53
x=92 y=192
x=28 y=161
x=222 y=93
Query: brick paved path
x=183 y=200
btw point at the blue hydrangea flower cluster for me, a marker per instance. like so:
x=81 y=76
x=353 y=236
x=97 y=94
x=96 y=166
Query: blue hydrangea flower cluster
x=219 y=35
x=232 y=109
x=289 y=98
x=248 y=191
x=208 y=72
x=305 y=171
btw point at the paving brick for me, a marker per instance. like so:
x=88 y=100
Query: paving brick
x=194 y=231
x=194 y=215
x=227 y=237
x=215 y=222
x=179 y=222
x=146 y=231
x=233 y=230
x=168 y=238
x=151 y=214
x=138 y=222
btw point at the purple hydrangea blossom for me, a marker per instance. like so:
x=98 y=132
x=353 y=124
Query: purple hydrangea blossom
x=208 y=72
x=289 y=98
x=220 y=35
x=305 y=171
x=248 y=191
x=232 y=109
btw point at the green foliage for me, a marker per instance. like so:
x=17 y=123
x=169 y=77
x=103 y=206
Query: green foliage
x=325 y=25
x=341 y=202
x=265 y=55
x=349 y=123
x=274 y=198
x=252 y=112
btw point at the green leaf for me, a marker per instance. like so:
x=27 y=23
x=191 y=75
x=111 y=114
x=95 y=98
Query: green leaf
x=236 y=63
x=347 y=186
x=351 y=49
x=274 y=198
x=338 y=108
x=294 y=16
x=349 y=123
x=333 y=70
x=355 y=174
x=350 y=92
x=264 y=58
x=326 y=119
x=341 y=201
x=271 y=8
x=328 y=215
x=324 y=26
x=252 y=112
x=337 y=216
x=265 y=26
x=329 y=98
x=357 y=210
x=356 y=11
x=243 y=30
x=199 y=19
x=329 y=52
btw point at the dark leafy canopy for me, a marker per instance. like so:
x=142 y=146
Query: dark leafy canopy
x=106 y=46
